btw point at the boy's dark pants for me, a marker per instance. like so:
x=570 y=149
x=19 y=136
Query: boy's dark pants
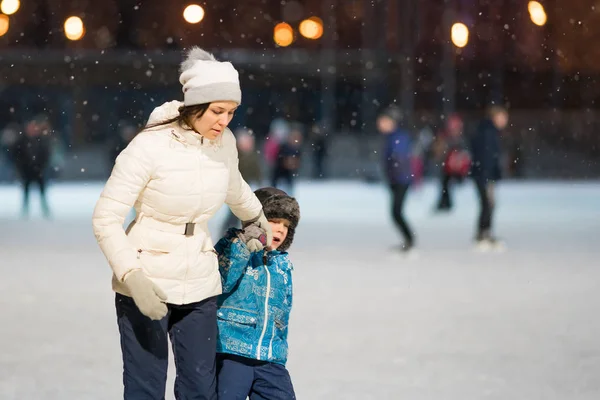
x=192 y=329
x=241 y=377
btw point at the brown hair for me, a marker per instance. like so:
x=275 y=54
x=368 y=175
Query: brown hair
x=184 y=119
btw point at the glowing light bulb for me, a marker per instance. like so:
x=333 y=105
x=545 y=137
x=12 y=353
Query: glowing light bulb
x=193 y=13
x=283 y=34
x=311 y=28
x=10 y=7
x=459 y=34
x=4 y=24
x=74 y=29
x=537 y=13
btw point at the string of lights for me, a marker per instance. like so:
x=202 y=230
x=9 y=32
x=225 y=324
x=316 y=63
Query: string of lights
x=284 y=34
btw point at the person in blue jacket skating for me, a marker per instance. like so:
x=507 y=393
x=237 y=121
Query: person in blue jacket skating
x=397 y=155
x=254 y=309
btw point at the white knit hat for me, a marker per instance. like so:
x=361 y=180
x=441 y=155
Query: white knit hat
x=205 y=79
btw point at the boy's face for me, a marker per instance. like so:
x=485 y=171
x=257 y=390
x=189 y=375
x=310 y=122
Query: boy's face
x=279 y=226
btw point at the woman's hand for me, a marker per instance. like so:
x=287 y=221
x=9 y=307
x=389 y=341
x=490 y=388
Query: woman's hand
x=262 y=222
x=148 y=297
x=254 y=237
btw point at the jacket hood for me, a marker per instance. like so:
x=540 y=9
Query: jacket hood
x=164 y=112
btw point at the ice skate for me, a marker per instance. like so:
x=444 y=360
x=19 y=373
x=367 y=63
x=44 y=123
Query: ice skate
x=408 y=250
x=489 y=244
x=442 y=208
x=404 y=250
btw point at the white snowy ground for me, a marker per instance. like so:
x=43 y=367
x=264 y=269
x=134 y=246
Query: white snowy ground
x=367 y=323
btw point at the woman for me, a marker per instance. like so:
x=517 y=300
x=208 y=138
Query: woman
x=176 y=173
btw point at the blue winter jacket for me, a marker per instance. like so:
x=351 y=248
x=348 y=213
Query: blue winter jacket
x=397 y=155
x=254 y=309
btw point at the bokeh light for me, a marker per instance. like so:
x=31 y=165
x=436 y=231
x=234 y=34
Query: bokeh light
x=311 y=28
x=459 y=34
x=74 y=29
x=193 y=13
x=537 y=13
x=283 y=34
x=4 y=24
x=9 y=7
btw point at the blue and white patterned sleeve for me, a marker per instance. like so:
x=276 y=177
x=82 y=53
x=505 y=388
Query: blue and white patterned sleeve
x=233 y=260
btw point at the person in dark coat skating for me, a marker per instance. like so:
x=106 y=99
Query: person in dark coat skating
x=288 y=160
x=486 y=170
x=31 y=157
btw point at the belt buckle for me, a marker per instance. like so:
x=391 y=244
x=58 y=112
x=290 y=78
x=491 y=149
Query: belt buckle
x=189 y=229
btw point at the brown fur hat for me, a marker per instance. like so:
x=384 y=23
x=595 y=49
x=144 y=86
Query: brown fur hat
x=278 y=204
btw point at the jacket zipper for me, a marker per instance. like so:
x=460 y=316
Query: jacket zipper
x=266 y=318
x=140 y=251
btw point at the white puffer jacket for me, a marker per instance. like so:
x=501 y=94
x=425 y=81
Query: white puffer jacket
x=171 y=177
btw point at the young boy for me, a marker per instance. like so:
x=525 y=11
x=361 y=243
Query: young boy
x=255 y=306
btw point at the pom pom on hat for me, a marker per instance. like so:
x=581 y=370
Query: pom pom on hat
x=205 y=80
x=195 y=54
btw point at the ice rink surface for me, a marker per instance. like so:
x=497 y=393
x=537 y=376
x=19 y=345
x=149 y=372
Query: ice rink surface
x=368 y=323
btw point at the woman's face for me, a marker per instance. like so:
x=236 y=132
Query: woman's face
x=215 y=119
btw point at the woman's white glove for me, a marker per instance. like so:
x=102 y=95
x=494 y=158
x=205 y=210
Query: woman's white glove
x=262 y=222
x=148 y=297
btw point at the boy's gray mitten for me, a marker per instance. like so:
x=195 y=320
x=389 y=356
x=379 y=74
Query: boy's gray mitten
x=254 y=237
x=148 y=297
